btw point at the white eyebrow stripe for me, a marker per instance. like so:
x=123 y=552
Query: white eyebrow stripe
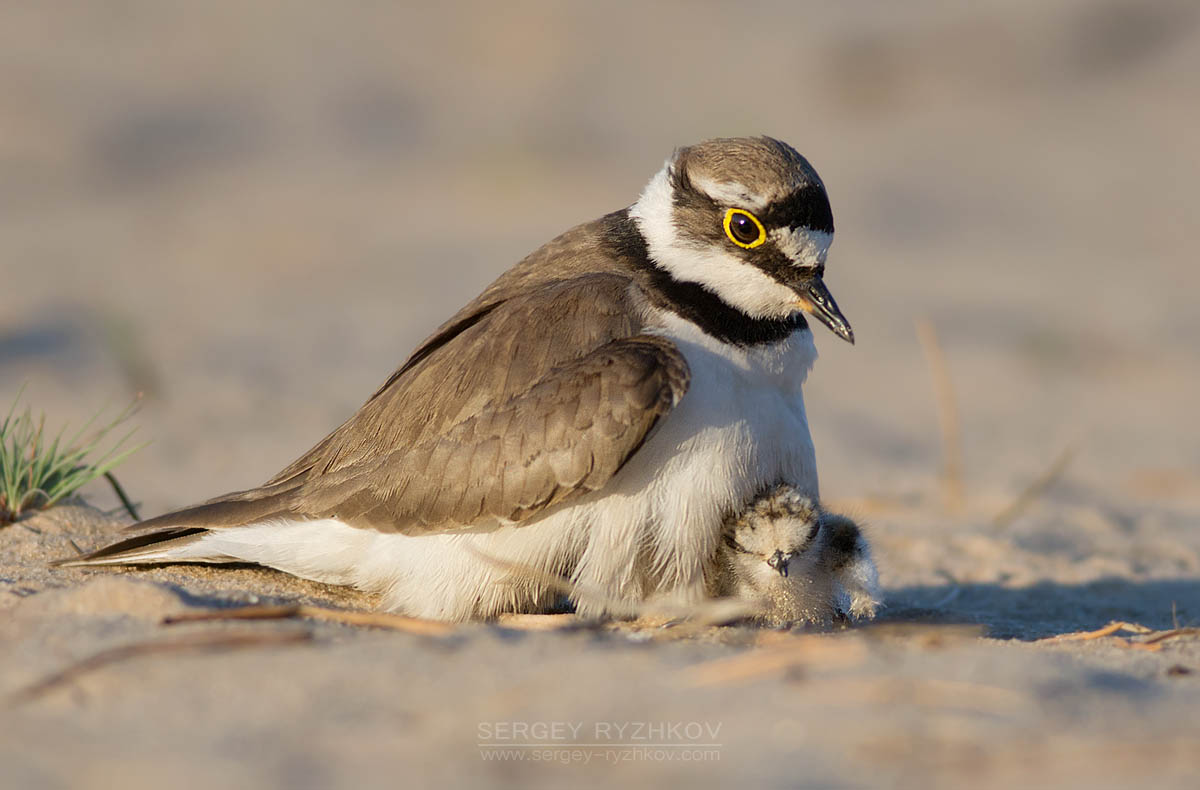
x=730 y=193
x=807 y=248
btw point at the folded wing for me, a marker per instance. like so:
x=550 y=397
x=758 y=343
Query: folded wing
x=512 y=407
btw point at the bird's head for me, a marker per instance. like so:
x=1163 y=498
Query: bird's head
x=779 y=531
x=748 y=219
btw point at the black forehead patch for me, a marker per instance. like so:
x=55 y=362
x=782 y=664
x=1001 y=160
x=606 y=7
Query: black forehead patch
x=806 y=207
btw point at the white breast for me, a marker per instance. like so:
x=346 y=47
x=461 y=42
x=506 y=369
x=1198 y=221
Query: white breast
x=744 y=408
x=740 y=427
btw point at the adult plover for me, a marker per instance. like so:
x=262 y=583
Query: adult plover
x=593 y=413
x=796 y=561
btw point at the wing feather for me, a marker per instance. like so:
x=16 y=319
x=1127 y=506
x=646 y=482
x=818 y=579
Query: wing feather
x=544 y=459
x=526 y=399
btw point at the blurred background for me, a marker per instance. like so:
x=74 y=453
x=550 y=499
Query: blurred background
x=251 y=213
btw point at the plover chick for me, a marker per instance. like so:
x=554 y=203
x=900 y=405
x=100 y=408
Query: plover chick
x=800 y=562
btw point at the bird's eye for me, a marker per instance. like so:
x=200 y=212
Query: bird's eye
x=744 y=229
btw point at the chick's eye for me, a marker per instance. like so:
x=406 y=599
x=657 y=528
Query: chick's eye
x=744 y=229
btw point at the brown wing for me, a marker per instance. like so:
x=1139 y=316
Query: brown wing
x=583 y=273
x=517 y=406
x=566 y=435
x=514 y=405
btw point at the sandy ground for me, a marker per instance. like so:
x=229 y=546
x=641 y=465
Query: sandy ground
x=945 y=690
x=252 y=216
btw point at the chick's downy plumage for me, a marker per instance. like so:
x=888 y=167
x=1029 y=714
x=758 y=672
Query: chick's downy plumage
x=799 y=562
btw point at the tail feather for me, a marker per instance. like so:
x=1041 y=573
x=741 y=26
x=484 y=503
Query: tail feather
x=174 y=537
x=231 y=510
x=161 y=546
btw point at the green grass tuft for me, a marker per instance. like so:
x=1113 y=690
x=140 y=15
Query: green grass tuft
x=37 y=471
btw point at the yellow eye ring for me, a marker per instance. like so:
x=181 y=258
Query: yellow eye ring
x=738 y=230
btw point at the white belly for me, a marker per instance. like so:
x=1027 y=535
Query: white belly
x=740 y=427
x=653 y=530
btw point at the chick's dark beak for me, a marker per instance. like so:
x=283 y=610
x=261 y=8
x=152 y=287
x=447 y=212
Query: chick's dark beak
x=816 y=300
x=779 y=561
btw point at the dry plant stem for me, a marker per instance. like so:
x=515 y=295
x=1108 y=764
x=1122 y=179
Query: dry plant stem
x=1099 y=633
x=1035 y=489
x=954 y=490
x=1152 y=644
x=188 y=643
x=395 y=622
x=1172 y=634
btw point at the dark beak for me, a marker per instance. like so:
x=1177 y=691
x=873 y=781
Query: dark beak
x=779 y=561
x=816 y=300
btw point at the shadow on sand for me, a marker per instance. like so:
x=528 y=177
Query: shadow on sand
x=1048 y=608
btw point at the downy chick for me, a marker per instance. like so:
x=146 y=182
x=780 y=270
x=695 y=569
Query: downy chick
x=801 y=562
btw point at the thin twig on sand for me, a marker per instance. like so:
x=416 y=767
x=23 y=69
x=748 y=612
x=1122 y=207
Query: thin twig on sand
x=191 y=642
x=1035 y=489
x=395 y=622
x=953 y=489
x=1108 y=630
x=1151 y=643
x=1174 y=633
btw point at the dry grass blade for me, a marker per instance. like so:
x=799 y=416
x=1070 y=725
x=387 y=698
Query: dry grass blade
x=1035 y=489
x=1108 y=630
x=1174 y=633
x=1152 y=643
x=188 y=643
x=954 y=490
x=394 y=622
